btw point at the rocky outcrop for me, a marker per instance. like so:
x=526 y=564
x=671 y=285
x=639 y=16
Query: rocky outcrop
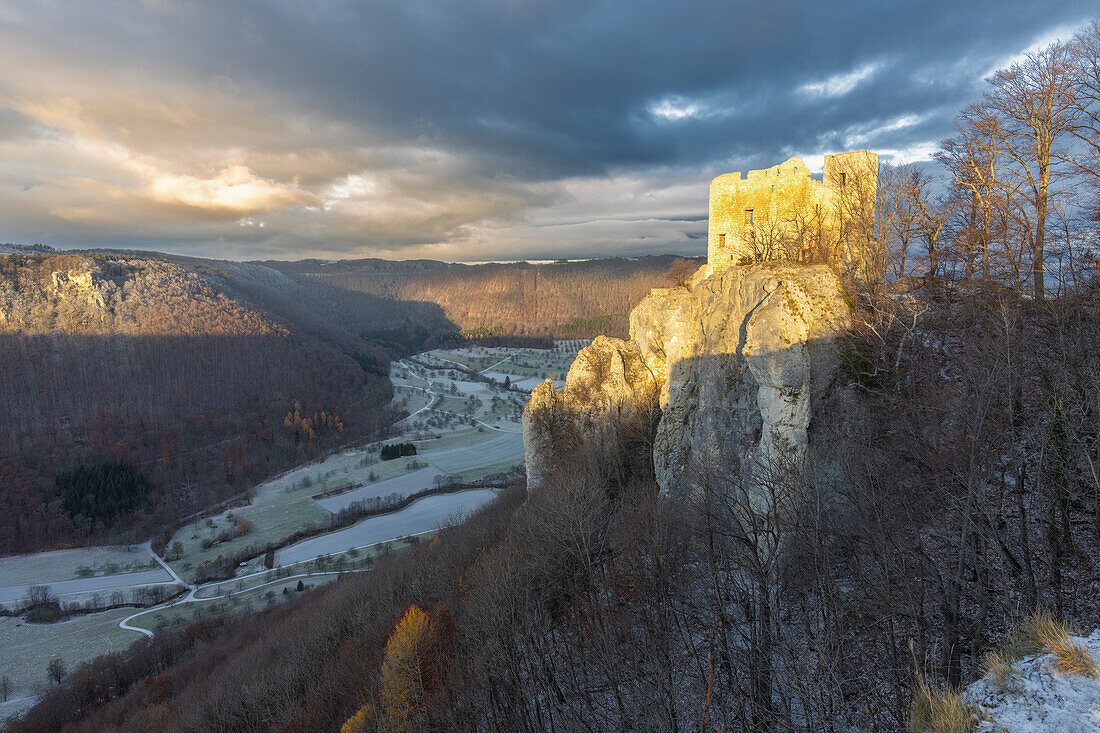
x=739 y=360
x=608 y=383
x=130 y=295
x=90 y=287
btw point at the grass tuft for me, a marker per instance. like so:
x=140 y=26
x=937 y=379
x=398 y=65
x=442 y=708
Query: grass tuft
x=1000 y=663
x=939 y=711
x=1041 y=632
x=1072 y=658
x=1000 y=668
x=1053 y=637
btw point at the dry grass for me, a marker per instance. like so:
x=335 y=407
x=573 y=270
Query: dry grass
x=1053 y=637
x=1000 y=663
x=1000 y=668
x=939 y=711
x=1041 y=632
x=1072 y=658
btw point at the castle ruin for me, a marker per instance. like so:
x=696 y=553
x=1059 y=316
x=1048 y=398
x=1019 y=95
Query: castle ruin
x=783 y=213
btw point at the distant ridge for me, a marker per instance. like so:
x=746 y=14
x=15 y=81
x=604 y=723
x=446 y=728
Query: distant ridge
x=563 y=298
x=9 y=248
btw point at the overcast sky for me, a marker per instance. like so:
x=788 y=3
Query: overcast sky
x=461 y=130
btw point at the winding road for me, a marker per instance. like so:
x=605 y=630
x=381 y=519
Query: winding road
x=191 y=596
x=428 y=406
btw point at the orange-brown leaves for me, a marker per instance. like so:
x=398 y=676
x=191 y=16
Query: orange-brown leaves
x=416 y=661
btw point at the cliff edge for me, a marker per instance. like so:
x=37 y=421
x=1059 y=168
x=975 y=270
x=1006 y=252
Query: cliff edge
x=738 y=362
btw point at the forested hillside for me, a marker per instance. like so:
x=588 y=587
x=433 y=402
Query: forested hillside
x=598 y=604
x=563 y=299
x=185 y=372
x=188 y=368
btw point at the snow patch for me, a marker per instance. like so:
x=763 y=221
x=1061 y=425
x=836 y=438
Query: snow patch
x=1039 y=698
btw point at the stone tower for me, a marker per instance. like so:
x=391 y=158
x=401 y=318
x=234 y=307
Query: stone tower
x=781 y=212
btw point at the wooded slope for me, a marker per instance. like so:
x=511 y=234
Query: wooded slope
x=562 y=299
x=170 y=366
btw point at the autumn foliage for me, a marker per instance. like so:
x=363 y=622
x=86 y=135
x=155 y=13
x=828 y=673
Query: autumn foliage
x=413 y=669
x=360 y=722
x=309 y=428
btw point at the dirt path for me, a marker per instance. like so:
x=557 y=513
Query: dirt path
x=148 y=546
x=494 y=366
x=448 y=412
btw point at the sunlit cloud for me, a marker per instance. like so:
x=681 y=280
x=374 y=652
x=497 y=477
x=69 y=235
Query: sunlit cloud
x=864 y=134
x=918 y=152
x=839 y=85
x=1046 y=38
x=235 y=188
x=676 y=108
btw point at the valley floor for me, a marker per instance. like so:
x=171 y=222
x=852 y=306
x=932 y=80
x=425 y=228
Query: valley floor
x=464 y=410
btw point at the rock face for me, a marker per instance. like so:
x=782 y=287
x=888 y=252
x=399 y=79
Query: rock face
x=740 y=359
x=93 y=288
x=608 y=382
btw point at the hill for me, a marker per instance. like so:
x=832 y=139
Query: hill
x=561 y=299
x=957 y=491
x=185 y=369
x=188 y=369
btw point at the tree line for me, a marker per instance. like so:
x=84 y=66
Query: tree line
x=104 y=491
x=562 y=299
x=390 y=451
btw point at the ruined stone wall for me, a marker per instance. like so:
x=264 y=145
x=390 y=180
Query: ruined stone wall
x=783 y=206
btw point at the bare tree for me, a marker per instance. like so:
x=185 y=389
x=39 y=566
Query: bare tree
x=1027 y=110
x=854 y=225
x=1086 y=112
x=971 y=159
x=56 y=670
x=894 y=227
x=907 y=211
x=680 y=271
x=39 y=595
x=771 y=239
x=747 y=519
x=931 y=216
x=809 y=239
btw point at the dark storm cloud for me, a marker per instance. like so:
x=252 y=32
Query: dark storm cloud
x=463 y=130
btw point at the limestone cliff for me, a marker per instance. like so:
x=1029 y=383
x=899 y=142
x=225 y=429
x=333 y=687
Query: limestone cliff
x=608 y=383
x=739 y=360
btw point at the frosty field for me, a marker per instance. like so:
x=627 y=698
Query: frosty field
x=423 y=516
x=465 y=426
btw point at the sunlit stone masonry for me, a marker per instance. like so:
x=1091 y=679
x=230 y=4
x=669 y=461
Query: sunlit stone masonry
x=782 y=212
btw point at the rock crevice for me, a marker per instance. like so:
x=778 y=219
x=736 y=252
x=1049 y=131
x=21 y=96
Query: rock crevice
x=738 y=361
